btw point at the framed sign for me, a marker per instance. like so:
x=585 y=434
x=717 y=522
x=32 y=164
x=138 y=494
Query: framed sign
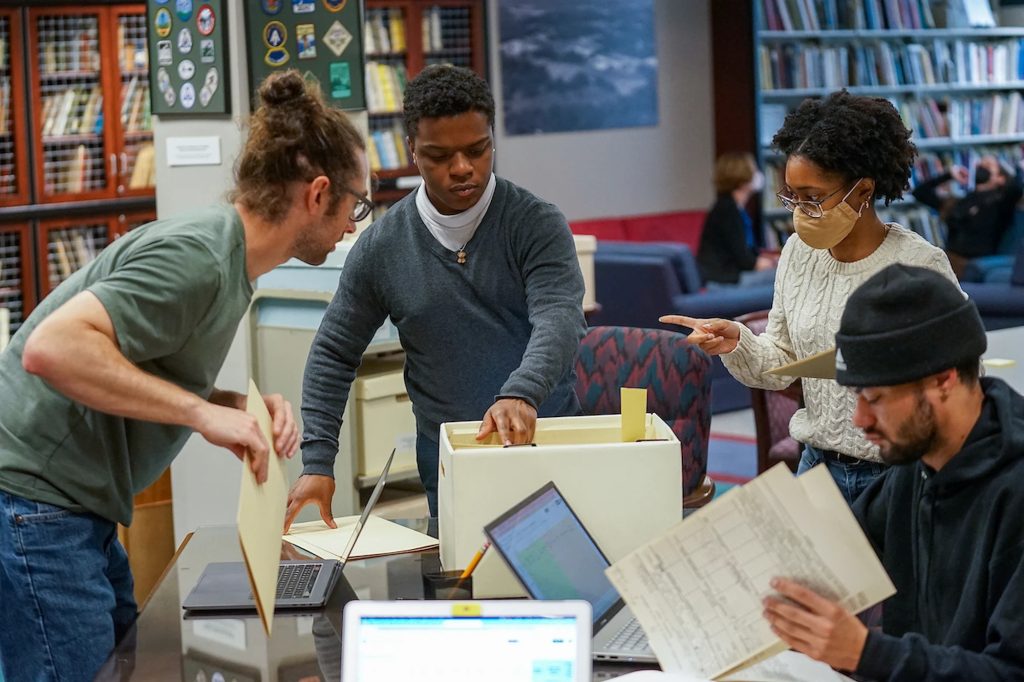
x=322 y=39
x=188 y=57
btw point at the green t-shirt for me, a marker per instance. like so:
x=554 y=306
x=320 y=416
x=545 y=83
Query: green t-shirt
x=175 y=290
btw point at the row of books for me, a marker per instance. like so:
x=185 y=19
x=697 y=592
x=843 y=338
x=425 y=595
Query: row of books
x=131 y=41
x=135 y=107
x=4 y=45
x=386 y=149
x=385 y=84
x=74 y=170
x=5 y=105
x=882 y=63
x=816 y=15
x=72 y=249
x=996 y=115
x=69 y=44
x=384 y=31
x=433 y=24
x=144 y=168
x=74 y=111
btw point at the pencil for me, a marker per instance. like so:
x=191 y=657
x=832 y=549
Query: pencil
x=474 y=561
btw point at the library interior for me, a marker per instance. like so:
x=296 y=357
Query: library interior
x=505 y=299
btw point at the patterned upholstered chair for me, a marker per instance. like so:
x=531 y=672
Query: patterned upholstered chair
x=677 y=377
x=772 y=412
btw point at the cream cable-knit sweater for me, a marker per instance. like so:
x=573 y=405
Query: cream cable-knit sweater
x=811 y=288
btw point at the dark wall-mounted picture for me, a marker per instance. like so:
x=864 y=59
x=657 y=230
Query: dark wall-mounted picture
x=569 y=66
x=322 y=39
x=188 y=57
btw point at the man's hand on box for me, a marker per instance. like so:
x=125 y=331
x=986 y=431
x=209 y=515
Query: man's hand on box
x=513 y=419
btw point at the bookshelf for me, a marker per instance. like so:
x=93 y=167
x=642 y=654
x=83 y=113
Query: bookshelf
x=13 y=151
x=958 y=89
x=17 y=284
x=401 y=37
x=66 y=245
x=88 y=75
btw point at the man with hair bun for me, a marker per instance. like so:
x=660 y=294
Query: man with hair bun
x=947 y=519
x=108 y=377
x=479 y=276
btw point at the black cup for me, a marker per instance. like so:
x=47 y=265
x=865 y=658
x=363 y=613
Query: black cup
x=447 y=585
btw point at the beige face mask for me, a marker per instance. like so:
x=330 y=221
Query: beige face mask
x=831 y=228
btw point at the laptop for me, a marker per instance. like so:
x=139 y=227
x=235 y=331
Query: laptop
x=452 y=641
x=301 y=585
x=554 y=557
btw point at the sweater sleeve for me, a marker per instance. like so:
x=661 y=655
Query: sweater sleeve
x=926 y=194
x=554 y=299
x=755 y=354
x=352 y=318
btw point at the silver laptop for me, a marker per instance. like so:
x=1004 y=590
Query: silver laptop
x=554 y=557
x=452 y=641
x=301 y=585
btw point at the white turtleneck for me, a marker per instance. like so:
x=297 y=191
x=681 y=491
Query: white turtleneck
x=454 y=231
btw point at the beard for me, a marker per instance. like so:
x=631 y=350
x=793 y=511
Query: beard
x=914 y=438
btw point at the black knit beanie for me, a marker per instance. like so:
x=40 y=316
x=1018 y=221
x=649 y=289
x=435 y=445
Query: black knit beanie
x=903 y=324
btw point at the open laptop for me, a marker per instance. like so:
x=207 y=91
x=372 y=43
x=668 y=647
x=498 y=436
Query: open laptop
x=554 y=557
x=301 y=585
x=452 y=641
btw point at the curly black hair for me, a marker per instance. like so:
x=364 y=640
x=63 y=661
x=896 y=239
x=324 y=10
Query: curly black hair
x=853 y=137
x=445 y=90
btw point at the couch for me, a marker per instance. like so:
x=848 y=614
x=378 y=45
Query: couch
x=1001 y=303
x=683 y=227
x=638 y=282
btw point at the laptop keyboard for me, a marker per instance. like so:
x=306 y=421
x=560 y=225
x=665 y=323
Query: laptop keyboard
x=630 y=638
x=296 y=580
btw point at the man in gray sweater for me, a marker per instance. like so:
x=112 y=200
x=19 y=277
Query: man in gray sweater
x=479 y=276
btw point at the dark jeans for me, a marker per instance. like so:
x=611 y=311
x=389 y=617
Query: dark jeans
x=426 y=462
x=852 y=479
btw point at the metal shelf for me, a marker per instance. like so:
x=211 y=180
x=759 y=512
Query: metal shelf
x=883 y=90
x=891 y=34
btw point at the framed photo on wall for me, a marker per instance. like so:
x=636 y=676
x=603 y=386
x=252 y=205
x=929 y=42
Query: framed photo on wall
x=188 y=57
x=322 y=39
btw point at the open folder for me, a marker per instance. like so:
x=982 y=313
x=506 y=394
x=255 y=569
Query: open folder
x=697 y=589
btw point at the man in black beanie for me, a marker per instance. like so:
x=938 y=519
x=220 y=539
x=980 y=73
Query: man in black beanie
x=947 y=520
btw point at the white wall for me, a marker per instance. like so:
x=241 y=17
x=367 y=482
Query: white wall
x=632 y=170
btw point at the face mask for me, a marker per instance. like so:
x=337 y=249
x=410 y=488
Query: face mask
x=831 y=228
x=982 y=175
x=757 y=182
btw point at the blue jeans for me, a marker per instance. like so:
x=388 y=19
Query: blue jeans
x=66 y=591
x=852 y=479
x=427 y=450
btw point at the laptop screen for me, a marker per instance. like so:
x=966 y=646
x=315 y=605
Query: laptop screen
x=457 y=649
x=546 y=546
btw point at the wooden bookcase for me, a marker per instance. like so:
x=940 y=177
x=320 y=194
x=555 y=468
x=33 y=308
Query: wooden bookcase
x=401 y=37
x=17 y=283
x=14 y=179
x=950 y=84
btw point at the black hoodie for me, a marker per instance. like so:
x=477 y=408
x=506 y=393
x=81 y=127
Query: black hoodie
x=953 y=544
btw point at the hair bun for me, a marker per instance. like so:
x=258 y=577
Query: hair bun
x=282 y=88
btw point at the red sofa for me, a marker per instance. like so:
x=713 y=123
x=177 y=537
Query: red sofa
x=678 y=226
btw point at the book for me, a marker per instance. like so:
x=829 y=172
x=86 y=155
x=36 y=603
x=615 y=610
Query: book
x=144 y=167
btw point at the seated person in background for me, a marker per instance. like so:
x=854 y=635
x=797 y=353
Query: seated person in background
x=978 y=220
x=947 y=519
x=728 y=253
x=479 y=276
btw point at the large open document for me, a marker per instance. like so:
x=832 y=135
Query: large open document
x=261 y=510
x=380 y=537
x=697 y=590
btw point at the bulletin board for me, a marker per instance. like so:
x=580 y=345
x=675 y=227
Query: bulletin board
x=188 y=57
x=322 y=39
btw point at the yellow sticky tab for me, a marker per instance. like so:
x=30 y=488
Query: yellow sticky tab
x=634 y=407
x=466 y=610
x=998 y=362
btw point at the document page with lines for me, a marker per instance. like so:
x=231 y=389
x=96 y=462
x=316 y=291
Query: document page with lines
x=697 y=590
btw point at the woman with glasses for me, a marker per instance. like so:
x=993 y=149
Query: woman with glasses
x=843 y=154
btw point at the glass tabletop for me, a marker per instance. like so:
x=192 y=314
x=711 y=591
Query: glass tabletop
x=165 y=644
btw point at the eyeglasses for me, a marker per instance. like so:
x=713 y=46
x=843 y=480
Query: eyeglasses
x=812 y=209
x=362 y=208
